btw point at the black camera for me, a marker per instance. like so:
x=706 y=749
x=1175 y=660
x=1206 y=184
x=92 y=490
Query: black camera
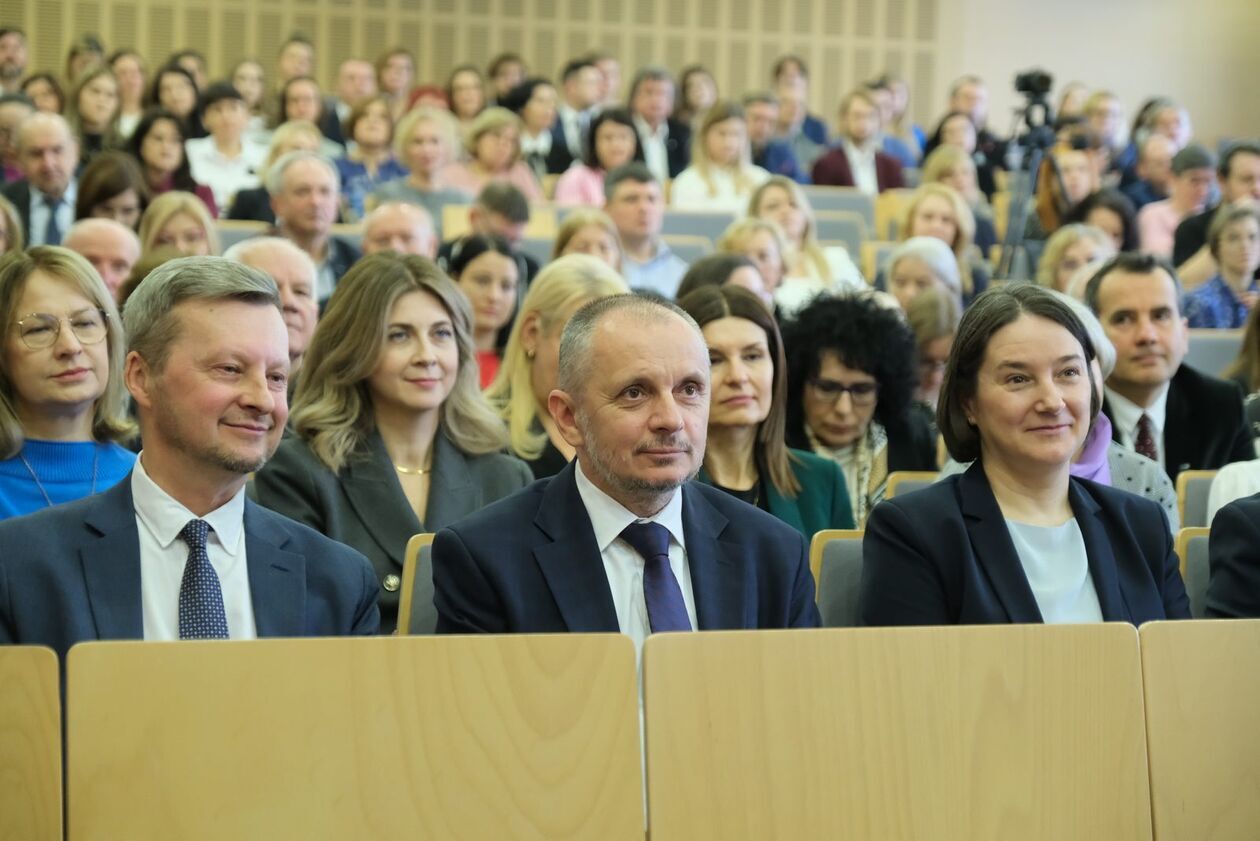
x=1035 y=83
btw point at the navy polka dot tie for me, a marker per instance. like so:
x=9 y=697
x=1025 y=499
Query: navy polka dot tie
x=201 y=614
x=667 y=611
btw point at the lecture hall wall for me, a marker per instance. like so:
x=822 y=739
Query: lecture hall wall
x=1203 y=53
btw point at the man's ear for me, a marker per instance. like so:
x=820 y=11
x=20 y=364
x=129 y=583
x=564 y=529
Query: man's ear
x=138 y=378
x=563 y=409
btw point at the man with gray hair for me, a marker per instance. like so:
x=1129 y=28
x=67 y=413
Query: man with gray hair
x=402 y=227
x=305 y=194
x=622 y=539
x=666 y=142
x=111 y=247
x=44 y=198
x=294 y=273
x=177 y=551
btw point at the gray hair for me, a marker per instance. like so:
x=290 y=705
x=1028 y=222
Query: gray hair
x=575 y=343
x=275 y=173
x=650 y=73
x=417 y=212
x=934 y=254
x=244 y=250
x=151 y=327
x=1103 y=347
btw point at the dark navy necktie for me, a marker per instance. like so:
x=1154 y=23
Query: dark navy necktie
x=201 y=613
x=665 y=606
x=52 y=232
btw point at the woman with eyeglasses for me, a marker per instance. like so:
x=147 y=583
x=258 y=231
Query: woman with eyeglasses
x=745 y=454
x=852 y=372
x=62 y=400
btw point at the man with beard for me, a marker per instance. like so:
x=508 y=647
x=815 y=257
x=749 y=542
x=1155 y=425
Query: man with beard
x=12 y=59
x=176 y=551
x=623 y=539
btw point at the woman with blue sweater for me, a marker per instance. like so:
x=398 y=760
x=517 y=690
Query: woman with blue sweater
x=62 y=400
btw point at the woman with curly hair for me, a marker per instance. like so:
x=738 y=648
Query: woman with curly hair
x=852 y=374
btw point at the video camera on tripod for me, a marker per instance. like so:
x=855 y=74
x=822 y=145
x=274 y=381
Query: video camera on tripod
x=1032 y=134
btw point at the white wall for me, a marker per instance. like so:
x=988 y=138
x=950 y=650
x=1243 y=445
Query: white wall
x=1203 y=53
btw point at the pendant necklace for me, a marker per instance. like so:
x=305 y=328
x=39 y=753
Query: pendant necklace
x=96 y=458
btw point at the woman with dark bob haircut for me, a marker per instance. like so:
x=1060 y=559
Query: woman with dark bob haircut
x=852 y=372
x=1017 y=538
x=746 y=455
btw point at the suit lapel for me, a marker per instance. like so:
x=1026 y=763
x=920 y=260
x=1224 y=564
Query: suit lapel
x=277 y=578
x=992 y=546
x=111 y=565
x=377 y=498
x=451 y=491
x=1178 y=429
x=571 y=563
x=1102 y=562
x=717 y=581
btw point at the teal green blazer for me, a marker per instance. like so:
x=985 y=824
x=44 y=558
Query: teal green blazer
x=823 y=502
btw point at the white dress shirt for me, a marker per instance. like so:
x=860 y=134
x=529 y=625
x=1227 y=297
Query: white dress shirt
x=624 y=566
x=159 y=519
x=223 y=175
x=574 y=123
x=655 y=154
x=862 y=165
x=1125 y=415
x=40 y=210
x=536 y=144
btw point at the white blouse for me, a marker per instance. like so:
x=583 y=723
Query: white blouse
x=1056 y=564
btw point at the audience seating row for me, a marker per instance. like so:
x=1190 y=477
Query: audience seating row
x=1029 y=732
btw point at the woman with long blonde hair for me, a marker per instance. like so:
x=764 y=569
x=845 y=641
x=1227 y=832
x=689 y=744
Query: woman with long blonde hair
x=179 y=219
x=722 y=175
x=532 y=357
x=936 y=210
x=393 y=437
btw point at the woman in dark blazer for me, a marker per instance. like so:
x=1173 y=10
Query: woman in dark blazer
x=393 y=437
x=852 y=373
x=745 y=454
x=1017 y=539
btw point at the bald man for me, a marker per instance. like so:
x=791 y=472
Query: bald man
x=44 y=198
x=111 y=247
x=398 y=226
x=294 y=273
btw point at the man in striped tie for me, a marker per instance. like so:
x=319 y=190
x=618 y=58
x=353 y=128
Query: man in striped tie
x=622 y=539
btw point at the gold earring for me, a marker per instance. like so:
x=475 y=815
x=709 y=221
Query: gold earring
x=529 y=354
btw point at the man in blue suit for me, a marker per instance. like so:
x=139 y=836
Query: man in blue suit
x=176 y=551
x=622 y=539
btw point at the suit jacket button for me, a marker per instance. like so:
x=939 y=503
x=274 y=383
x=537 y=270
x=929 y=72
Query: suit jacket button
x=392 y=583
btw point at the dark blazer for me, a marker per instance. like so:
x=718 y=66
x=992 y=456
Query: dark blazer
x=342 y=254
x=1234 y=557
x=677 y=145
x=822 y=503
x=777 y=158
x=561 y=157
x=944 y=556
x=833 y=169
x=252 y=203
x=71 y=574
x=19 y=193
x=364 y=505
x=1204 y=425
x=530 y=564
x=815 y=129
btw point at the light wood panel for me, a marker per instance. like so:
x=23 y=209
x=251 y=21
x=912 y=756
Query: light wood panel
x=845 y=43
x=1203 y=720
x=409 y=737
x=30 y=745
x=983 y=734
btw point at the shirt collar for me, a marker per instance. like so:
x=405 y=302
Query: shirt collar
x=67 y=198
x=609 y=517
x=661 y=132
x=1125 y=414
x=165 y=517
x=859 y=153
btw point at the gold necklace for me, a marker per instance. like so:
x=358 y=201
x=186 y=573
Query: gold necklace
x=412 y=471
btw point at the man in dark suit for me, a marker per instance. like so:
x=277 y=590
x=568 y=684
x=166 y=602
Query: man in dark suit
x=857 y=161
x=1158 y=407
x=581 y=84
x=666 y=142
x=176 y=551
x=1234 y=557
x=305 y=195
x=775 y=156
x=44 y=198
x=622 y=539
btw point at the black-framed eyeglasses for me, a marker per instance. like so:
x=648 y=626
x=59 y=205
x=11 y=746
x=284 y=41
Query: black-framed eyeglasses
x=829 y=391
x=40 y=330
